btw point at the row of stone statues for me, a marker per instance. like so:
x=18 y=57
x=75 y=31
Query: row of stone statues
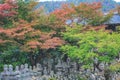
x=60 y=71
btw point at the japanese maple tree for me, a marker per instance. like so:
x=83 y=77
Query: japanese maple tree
x=28 y=31
x=28 y=38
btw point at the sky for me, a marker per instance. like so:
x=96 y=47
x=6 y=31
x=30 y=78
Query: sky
x=117 y=0
x=64 y=0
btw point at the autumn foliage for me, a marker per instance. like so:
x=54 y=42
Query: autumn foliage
x=82 y=10
x=29 y=38
x=85 y=12
x=64 y=13
x=8 y=9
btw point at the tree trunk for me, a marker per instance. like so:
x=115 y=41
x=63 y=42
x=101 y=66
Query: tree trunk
x=32 y=61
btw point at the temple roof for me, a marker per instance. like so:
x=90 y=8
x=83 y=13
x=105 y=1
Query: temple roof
x=115 y=19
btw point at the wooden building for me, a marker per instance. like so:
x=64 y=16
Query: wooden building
x=113 y=22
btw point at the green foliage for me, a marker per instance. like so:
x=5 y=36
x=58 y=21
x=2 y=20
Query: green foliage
x=118 y=29
x=12 y=55
x=80 y=78
x=87 y=45
x=45 y=22
x=25 y=10
x=52 y=78
x=98 y=20
x=115 y=67
x=22 y=10
x=1 y=1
